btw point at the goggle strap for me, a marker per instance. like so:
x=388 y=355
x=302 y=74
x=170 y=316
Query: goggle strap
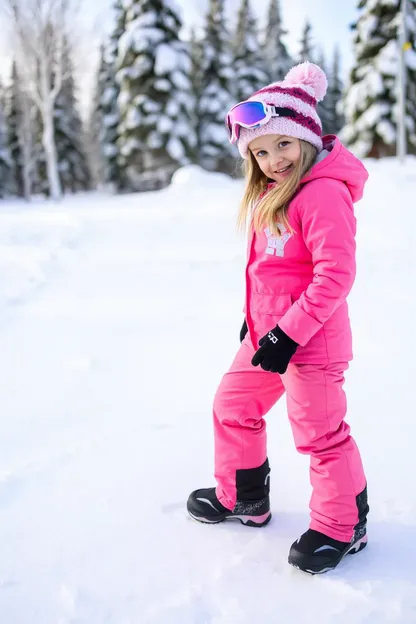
x=282 y=112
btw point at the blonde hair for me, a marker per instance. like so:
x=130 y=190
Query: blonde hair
x=272 y=209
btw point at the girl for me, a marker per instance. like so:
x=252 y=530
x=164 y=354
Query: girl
x=296 y=337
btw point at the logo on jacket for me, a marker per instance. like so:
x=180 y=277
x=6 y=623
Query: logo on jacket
x=276 y=244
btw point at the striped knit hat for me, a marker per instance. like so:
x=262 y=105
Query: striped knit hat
x=304 y=86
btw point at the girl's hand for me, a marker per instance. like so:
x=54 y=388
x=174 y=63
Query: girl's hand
x=275 y=352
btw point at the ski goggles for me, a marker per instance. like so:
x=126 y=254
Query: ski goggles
x=252 y=114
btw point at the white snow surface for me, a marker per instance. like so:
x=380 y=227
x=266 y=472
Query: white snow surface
x=118 y=317
x=166 y=59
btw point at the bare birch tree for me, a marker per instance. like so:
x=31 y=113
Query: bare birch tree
x=40 y=28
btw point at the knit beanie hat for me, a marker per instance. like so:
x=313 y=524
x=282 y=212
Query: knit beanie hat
x=304 y=86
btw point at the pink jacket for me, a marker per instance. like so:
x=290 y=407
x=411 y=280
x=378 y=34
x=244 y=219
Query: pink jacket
x=301 y=280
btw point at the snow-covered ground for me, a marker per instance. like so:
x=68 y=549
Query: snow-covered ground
x=118 y=317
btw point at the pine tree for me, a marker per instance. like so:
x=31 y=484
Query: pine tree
x=155 y=131
x=40 y=172
x=5 y=159
x=334 y=96
x=196 y=45
x=248 y=64
x=14 y=123
x=371 y=100
x=96 y=124
x=107 y=109
x=216 y=153
x=324 y=107
x=69 y=133
x=307 y=49
x=277 y=59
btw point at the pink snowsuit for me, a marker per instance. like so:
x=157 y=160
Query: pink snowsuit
x=300 y=281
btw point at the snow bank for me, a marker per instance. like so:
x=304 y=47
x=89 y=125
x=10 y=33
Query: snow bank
x=196 y=177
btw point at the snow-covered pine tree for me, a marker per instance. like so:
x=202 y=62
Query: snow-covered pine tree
x=155 y=132
x=107 y=109
x=216 y=152
x=324 y=108
x=5 y=160
x=196 y=46
x=14 y=122
x=277 y=59
x=96 y=124
x=248 y=62
x=307 y=47
x=69 y=133
x=334 y=95
x=40 y=172
x=371 y=100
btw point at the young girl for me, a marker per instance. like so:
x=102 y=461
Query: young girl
x=296 y=337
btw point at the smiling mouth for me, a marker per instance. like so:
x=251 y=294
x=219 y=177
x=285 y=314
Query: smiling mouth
x=283 y=170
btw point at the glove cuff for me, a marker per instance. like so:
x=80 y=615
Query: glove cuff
x=281 y=335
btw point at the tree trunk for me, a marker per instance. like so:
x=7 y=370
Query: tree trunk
x=48 y=141
x=26 y=145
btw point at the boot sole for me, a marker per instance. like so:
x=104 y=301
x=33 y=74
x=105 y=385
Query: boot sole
x=249 y=521
x=353 y=550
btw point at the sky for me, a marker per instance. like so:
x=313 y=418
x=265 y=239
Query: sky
x=330 y=27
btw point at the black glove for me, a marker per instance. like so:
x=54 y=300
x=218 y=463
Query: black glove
x=243 y=331
x=276 y=350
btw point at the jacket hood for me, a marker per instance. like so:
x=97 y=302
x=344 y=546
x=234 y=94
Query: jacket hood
x=338 y=163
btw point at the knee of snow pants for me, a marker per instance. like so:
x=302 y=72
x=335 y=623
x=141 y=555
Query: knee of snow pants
x=316 y=408
x=244 y=396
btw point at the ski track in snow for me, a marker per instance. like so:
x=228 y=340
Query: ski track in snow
x=106 y=425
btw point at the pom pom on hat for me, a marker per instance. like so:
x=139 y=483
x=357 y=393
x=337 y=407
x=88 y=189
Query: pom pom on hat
x=309 y=75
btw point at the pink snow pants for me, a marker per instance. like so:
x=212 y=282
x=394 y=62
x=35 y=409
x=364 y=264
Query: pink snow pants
x=316 y=405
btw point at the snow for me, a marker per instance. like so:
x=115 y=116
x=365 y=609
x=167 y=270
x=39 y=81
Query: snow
x=140 y=40
x=175 y=149
x=149 y=106
x=173 y=109
x=132 y=118
x=372 y=115
x=111 y=119
x=387 y=59
x=180 y=81
x=174 y=7
x=164 y=124
x=132 y=144
x=387 y=131
x=165 y=59
x=142 y=64
x=215 y=133
x=410 y=56
x=374 y=4
x=162 y=84
x=154 y=141
x=367 y=26
x=105 y=302
x=374 y=81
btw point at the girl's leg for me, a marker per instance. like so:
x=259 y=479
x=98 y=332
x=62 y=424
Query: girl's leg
x=245 y=394
x=317 y=407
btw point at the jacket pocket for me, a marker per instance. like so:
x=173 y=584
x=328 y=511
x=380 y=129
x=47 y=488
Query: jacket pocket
x=270 y=304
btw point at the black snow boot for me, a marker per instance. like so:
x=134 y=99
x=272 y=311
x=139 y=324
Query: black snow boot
x=253 y=502
x=317 y=553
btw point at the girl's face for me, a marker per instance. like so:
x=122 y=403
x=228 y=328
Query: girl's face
x=276 y=155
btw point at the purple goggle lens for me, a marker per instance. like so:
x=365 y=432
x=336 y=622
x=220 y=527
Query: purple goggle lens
x=245 y=114
x=251 y=115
